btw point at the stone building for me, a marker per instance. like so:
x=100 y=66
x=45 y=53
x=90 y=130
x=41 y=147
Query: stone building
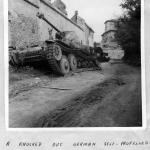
x=26 y=29
x=89 y=32
x=109 y=43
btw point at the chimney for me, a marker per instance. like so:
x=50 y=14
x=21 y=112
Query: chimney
x=76 y=13
x=76 y=16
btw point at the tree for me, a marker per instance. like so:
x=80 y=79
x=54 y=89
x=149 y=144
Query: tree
x=128 y=30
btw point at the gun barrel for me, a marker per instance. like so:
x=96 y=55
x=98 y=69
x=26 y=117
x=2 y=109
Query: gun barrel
x=41 y=16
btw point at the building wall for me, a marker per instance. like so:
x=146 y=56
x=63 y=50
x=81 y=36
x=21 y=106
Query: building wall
x=109 y=37
x=89 y=34
x=91 y=39
x=59 y=21
x=26 y=29
x=110 y=26
x=23 y=25
x=115 y=54
x=109 y=43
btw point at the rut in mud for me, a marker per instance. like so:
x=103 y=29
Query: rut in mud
x=108 y=98
x=116 y=102
x=75 y=112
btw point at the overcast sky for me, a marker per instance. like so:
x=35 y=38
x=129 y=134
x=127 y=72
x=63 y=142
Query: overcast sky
x=95 y=12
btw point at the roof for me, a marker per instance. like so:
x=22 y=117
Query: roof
x=80 y=18
x=108 y=32
x=89 y=27
x=111 y=20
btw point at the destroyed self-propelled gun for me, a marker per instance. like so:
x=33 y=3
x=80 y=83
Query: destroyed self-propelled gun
x=38 y=31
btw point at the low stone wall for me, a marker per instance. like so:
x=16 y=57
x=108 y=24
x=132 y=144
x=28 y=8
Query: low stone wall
x=115 y=54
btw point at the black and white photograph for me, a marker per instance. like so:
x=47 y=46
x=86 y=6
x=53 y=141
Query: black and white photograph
x=75 y=64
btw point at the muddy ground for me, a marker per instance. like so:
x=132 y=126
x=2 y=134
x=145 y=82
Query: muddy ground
x=107 y=98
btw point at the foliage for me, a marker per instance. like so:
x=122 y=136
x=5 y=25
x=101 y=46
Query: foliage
x=128 y=30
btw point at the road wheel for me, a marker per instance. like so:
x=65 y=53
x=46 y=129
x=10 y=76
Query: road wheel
x=64 y=65
x=72 y=61
x=57 y=53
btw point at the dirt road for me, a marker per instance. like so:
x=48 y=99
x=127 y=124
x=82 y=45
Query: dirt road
x=111 y=97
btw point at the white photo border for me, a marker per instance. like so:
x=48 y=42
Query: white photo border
x=75 y=129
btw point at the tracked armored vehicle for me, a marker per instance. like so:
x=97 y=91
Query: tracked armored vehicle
x=40 y=30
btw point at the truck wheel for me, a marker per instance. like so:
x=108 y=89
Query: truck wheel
x=57 y=53
x=72 y=62
x=64 y=65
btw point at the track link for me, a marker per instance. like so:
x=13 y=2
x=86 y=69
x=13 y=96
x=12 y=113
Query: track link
x=83 y=60
x=54 y=65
